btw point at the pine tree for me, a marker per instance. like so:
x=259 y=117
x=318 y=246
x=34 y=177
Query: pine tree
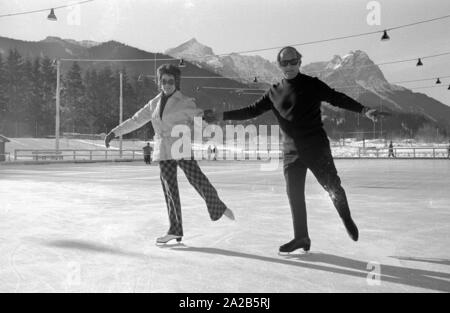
x=106 y=110
x=73 y=101
x=26 y=88
x=3 y=99
x=37 y=103
x=15 y=105
x=90 y=82
x=48 y=72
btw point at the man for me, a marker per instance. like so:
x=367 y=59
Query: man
x=209 y=152
x=448 y=150
x=214 y=152
x=147 y=153
x=391 y=150
x=295 y=101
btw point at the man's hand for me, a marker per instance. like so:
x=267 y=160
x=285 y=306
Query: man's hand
x=373 y=114
x=211 y=116
x=108 y=139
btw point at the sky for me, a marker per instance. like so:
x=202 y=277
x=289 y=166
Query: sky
x=239 y=25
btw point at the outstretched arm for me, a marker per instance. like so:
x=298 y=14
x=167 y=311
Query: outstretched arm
x=139 y=119
x=341 y=100
x=336 y=98
x=257 y=108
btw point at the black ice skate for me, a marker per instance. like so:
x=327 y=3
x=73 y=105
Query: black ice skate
x=351 y=228
x=303 y=243
x=167 y=238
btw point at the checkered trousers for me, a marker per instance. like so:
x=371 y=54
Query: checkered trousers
x=198 y=180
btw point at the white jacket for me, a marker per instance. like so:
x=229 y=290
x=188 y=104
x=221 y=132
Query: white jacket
x=179 y=109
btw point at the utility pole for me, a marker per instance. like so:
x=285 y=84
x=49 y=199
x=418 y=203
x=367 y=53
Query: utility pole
x=381 y=120
x=373 y=130
x=121 y=111
x=154 y=69
x=58 y=103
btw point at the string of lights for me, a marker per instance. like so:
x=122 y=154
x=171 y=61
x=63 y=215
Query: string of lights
x=43 y=10
x=419 y=80
x=438 y=82
x=363 y=66
x=385 y=37
x=359 y=86
x=419 y=62
x=242 y=90
x=199 y=77
x=118 y=60
x=424 y=87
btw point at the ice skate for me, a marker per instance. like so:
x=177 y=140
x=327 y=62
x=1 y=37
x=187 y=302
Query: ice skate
x=228 y=213
x=303 y=243
x=165 y=239
x=351 y=228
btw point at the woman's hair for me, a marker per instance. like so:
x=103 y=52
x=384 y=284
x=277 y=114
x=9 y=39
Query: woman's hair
x=170 y=69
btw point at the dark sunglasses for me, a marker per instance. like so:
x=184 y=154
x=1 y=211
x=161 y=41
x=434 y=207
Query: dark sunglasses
x=289 y=62
x=168 y=82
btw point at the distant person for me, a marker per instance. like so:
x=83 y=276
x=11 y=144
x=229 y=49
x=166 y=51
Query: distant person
x=296 y=102
x=168 y=109
x=147 y=153
x=209 y=151
x=448 y=150
x=214 y=153
x=391 y=150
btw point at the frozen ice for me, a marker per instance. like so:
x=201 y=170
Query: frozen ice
x=92 y=228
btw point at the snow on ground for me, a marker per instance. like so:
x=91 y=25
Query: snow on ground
x=91 y=228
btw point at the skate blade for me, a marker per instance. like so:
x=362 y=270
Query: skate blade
x=169 y=242
x=170 y=245
x=294 y=253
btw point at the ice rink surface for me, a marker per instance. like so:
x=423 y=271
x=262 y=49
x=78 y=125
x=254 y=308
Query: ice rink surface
x=92 y=228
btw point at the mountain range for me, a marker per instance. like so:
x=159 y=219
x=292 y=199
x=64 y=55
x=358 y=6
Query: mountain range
x=244 y=68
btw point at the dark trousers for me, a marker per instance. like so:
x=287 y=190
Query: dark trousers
x=198 y=180
x=319 y=161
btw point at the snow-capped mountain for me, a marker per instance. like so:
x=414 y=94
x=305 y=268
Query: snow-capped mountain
x=356 y=75
x=355 y=70
x=244 y=68
x=191 y=50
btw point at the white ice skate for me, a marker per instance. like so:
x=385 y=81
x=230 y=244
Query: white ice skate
x=165 y=239
x=228 y=213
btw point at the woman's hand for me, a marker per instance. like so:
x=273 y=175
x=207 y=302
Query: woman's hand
x=108 y=139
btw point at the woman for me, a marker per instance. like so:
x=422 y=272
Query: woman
x=169 y=108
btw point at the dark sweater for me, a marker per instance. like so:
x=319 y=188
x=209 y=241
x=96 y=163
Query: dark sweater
x=164 y=99
x=296 y=105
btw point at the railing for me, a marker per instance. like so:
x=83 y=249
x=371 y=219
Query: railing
x=5 y=157
x=107 y=155
x=398 y=153
x=76 y=155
